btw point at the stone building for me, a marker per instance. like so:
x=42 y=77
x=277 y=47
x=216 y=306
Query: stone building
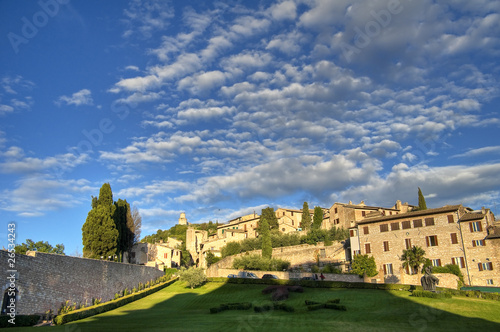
x=346 y=215
x=160 y=255
x=451 y=234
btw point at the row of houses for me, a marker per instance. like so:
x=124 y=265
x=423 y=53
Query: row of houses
x=451 y=234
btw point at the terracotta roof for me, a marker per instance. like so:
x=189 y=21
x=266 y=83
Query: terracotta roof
x=493 y=232
x=447 y=208
x=472 y=216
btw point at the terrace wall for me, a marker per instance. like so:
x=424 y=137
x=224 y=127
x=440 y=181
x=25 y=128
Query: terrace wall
x=44 y=281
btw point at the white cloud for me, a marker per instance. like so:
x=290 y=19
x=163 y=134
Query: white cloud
x=82 y=97
x=286 y=10
x=4 y=109
x=487 y=150
x=147 y=16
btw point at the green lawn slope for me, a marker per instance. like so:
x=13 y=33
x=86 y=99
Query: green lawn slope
x=178 y=308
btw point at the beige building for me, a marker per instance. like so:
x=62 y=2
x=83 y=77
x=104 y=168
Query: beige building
x=347 y=215
x=449 y=235
x=159 y=255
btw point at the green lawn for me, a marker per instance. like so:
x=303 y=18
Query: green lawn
x=177 y=308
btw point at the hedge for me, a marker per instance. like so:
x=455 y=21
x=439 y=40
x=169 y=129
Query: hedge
x=443 y=295
x=107 y=306
x=231 y=306
x=275 y=306
x=20 y=320
x=316 y=284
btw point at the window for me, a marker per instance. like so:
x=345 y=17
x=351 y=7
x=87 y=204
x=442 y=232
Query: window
x=365 y=230
x=429 y=221
x=475 y=226
x=450 y=219
x=417 y=223
x=165 y=255
x=406 y=224
x=408 y=243
x=368 y=249
x=485 y=266
x=432 y=241
x=384 y=228
x=363 y=213
x=478 y=243
x=394 y=226
x=357 y=252
x=283 y=229
x=388 y=269
x=386 y=245
x=489 y=282
x=436 y=262
x=454 y=239
x=460 y=261
x=335 y=210
x=352 y=232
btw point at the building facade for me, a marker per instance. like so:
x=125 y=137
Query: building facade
x=449 y=235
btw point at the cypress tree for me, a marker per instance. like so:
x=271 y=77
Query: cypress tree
x=267 y=249
x=99 y=232
x=421 y=200
x=317 y=217
x=305 y=224
x=270 y=216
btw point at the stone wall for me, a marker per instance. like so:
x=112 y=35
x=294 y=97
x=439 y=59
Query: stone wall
x=44 y=281
x=287 y=275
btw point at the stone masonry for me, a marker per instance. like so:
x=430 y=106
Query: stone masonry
x=44 y=281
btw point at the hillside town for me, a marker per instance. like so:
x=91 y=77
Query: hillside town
x=452 y=234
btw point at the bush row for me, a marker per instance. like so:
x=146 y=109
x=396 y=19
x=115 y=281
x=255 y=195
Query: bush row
x=259 y=263
x=333 y=306
x=231 y=306
x=474 y=294
x=274 y=306
x=442 y=295
x=20 y=320
x=316 y=284
x=103 y=307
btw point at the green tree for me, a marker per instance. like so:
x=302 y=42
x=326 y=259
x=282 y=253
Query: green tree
x=125 y=226
x=194 y=276
x=413 y=258
x=421 y=200
x=99 y=232
x=39 y=246
x=267 y=248
x=211 y=258
x=317 y=218
x=231 y=248
x=305 y=224
x=137 y=219
x=269 y=215
x=362 y=264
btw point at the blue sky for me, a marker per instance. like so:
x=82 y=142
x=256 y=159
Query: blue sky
x=222 y=108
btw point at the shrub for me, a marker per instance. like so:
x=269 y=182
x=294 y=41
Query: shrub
x=330 y=268
x=231 y=248
x=169 y=272
x=231 y=306
x=194 y=276
x=258 y=263
x=362 y=264
x=418 y=293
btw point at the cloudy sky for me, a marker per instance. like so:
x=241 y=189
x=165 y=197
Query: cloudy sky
x=221 y=108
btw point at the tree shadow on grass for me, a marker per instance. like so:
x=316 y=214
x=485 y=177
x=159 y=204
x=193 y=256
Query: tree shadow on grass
x=178 y=308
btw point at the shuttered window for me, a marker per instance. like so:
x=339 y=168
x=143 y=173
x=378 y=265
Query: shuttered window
x=365 y=230
x=394 y=226
x=384 y=228
x=406 y=224
x=476 y=226
x=454 y=238
x=368 y=248
x=450 y=219
x=417 y=223
x=386 y=245
x=408 y=243
x=460 y=261
x=431 y=241
x=429 y=221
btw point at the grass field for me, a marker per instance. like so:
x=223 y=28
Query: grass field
x=178 y=308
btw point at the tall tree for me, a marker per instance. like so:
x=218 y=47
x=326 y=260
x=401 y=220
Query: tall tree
x=270 y=216
x=136 y=217
x=421 y=200
x=317 y=217
x=413 y=258
x=125 y=226
x=305 y=224
x=99 y=232
x=267 y=248
x=40 y=246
